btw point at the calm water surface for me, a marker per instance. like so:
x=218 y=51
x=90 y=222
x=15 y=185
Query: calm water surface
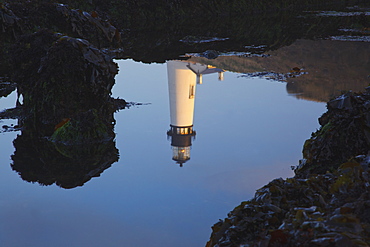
x=248 y=132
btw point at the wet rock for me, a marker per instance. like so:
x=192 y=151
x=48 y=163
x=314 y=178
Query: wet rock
x=86 y=127
x=66 y=119
x=200 y=39
x=297 y=217
x=89 y=25
x=7 y=128
x=120 y=104
x=273 y=75
x=62 y=77
x=326 y=203
x=37 y=160
x=10 y=24
x=10 y=29
x=210 y=54
x=65 y=81
x=344 y=133
x=6 y=87
x=22 y=18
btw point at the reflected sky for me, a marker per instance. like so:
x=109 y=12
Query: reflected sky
x=249 y=131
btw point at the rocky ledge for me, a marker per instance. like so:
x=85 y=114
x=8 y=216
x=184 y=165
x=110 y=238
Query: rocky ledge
x=327 y=202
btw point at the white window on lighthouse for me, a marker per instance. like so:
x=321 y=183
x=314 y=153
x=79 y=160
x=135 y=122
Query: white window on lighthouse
x=191 y=91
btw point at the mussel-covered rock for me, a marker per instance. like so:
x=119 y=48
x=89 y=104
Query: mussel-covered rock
x=21 y=18
x=327 y=202
x=10 y=24
x=60 y=78
x=344 y=133
x=64 y=81
x=67 y=121
x=324 y=210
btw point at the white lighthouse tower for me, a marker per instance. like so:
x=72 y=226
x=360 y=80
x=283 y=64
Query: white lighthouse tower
x=182 y=80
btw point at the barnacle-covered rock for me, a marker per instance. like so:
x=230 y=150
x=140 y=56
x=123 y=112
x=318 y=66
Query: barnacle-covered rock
x=67 y=118
x=51 y=55
x=10 y=24
x=327 y=202
x=344 y=133
x=20 y=18
x=89 y=25
x=323 y=210
x=66 y=77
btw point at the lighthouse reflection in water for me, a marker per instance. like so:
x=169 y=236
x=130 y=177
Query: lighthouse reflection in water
x=183 y=78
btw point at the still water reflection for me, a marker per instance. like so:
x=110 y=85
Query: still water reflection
x=249 y=131
x=182 y=80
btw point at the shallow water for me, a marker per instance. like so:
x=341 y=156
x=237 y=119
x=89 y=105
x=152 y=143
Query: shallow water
x=250 y=129
x=248 y=132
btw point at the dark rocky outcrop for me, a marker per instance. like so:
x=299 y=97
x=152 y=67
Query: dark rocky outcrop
x=151 y=31
x=327 y=202
x=51 y=54
x=24 y=18
x=38 y=160
x=66 y=114
x=30 y=16
x=62 y=77
x=325 y=210
x=344 y=134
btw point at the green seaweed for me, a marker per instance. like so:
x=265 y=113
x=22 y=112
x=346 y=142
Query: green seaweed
x=78 y=131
